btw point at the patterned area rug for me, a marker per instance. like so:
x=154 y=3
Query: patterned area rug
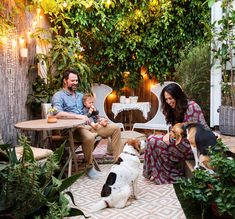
x=155 y=201
x=100 y=153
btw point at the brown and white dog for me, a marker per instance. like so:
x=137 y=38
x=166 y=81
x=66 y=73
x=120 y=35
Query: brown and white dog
x=199 y=137
x=122 y=178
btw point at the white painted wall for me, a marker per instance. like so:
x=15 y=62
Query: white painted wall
x=216 y=74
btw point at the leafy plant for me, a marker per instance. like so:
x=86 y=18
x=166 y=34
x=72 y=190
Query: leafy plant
x=9 y=10
x=55 y=62
x=216 y=188
x=193 y=74
x=119 y=36
x=28 y=189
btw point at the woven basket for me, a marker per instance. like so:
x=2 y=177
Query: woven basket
x=227 y=120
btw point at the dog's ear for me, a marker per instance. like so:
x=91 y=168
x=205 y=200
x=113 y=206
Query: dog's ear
x=137 y=145
x=178 y=138
x=178 y=132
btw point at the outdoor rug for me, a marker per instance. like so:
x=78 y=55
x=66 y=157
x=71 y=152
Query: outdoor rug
x=155 y=201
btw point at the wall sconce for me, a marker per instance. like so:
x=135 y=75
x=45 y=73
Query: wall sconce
x=23 y=49
x=24 y=52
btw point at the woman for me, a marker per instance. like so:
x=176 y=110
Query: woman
x=164 y=161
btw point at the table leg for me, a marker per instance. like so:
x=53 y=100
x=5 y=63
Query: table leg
x=130 y=119
x=71 y=142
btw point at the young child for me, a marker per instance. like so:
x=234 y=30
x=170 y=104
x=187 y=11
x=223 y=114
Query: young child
x=92 y=113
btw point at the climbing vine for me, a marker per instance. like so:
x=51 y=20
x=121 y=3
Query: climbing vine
x=118 y=36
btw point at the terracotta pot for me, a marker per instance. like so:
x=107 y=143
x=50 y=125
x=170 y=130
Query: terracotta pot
x=51 y=119
x=217 y=215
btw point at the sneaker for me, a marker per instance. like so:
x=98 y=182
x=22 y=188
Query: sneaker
x=92 y=173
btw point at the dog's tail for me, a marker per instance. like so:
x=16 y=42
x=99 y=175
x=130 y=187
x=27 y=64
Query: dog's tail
x=99 y=205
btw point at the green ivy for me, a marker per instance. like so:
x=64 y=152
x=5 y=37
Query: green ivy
x=126 y=35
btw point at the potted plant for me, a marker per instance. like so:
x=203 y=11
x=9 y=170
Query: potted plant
x=223 y=49
x=214 y=189
x=29 y=189
x=51 y=118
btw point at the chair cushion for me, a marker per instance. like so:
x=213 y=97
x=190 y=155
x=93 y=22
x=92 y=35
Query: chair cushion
x=38 y=153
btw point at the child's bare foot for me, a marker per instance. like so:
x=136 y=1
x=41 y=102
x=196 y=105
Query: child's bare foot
x=104 y=122
x=94 y=125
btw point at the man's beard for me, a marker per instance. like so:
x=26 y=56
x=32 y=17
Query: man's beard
x=72 y=88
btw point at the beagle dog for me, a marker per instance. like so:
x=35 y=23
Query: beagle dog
x=122 y=178
x=199 y=137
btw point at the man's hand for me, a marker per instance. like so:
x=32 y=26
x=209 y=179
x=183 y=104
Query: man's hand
x=82 y=117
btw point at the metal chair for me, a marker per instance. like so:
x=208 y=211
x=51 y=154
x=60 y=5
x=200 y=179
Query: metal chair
x=101 y=91
x=158 y=122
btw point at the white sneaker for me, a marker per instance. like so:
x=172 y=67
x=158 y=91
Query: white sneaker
x=92 y=173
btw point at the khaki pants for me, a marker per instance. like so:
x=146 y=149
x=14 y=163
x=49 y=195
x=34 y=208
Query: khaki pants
x=87 y=138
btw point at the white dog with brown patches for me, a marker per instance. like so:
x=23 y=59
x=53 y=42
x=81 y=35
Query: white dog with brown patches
x=122 y=178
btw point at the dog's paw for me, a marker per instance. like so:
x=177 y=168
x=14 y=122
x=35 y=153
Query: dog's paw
x=136 y=197
x=196 y=167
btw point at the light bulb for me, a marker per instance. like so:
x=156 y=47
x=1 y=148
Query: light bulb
x=21 y=40
x=38 y=10
x=64 y=4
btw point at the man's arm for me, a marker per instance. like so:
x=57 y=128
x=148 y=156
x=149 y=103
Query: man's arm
x=57 y=102
x=67 y=115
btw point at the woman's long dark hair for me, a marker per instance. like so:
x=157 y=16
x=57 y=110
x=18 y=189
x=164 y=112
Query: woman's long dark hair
x=175 y=115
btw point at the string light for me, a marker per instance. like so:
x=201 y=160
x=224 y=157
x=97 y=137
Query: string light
x=38 y=10
x=22 y=41
x=34 y=23
x=108 y=2
x=14 y=43
x=88 y=4
x=64 y=4
x=126 y=74
x=138 y=13
x=80 y=56
x=112 y=95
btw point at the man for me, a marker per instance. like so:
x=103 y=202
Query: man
x=69 y=104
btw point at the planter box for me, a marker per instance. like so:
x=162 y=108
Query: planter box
x=227 y=120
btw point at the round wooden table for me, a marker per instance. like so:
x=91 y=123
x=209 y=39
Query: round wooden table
x=43 y=125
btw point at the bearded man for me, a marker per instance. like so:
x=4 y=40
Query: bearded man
x=69 y=104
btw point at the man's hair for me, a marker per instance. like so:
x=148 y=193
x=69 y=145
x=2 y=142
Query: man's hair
x=67 y=72
x=86 y=96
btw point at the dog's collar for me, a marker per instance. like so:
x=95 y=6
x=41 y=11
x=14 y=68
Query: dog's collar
x=125 y=152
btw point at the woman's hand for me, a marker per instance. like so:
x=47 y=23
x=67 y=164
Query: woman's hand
x=166 y=138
